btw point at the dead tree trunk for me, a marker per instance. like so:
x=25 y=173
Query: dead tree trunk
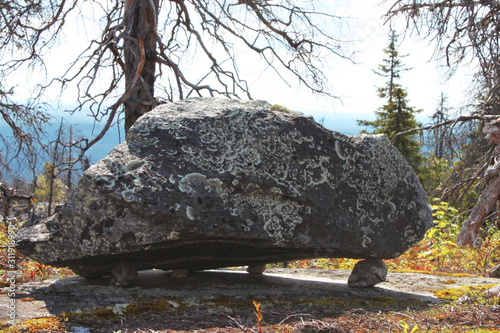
x=70 y=166
x=52 y=171
x=7 y=195
x=469 y=232
x=141 y=18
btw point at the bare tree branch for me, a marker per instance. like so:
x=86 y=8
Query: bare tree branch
x=447 y=123
x=466 y=31
x=292 y=38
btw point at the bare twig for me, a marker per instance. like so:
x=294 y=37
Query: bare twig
x=448 y=122
x=290 y=37
x=114 y=107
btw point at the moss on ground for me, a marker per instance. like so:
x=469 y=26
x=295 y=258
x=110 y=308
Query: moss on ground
x=476 y=291
x=45 y=324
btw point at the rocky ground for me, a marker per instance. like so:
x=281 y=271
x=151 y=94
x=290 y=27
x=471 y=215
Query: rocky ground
x=222 y=298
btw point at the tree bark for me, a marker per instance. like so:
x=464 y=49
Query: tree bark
x=470 y=229
x=53 y=170
x=140 y=58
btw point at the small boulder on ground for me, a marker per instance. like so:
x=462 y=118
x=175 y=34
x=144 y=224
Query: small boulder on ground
x=179 y=273
x=495 y=272
x=123 y=273
x=210 y=183
x=367 y=273
x=256 y=269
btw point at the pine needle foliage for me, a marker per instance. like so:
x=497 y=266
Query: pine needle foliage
x=396 y=115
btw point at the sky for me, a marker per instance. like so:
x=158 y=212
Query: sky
x=355 y=83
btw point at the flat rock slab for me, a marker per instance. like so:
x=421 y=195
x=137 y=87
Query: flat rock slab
x=211 y=183
x=52 y=298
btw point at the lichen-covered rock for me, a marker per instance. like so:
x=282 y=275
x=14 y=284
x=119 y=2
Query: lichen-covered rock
x=207 y=183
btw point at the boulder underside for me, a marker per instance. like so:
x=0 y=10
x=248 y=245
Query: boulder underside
x=211 y=183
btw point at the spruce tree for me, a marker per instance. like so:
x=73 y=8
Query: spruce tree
x=396 y=116
x=441 y=138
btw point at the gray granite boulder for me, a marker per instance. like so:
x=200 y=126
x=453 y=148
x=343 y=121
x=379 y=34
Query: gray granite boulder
x=208 y=183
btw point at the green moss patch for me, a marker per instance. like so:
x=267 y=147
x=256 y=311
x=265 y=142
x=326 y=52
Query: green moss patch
x=453 y=294
x=280 y=108
x=44 y=324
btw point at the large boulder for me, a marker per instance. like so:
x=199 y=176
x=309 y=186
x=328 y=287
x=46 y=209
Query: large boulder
x=209 y=183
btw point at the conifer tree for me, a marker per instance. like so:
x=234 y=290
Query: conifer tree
x=396 y=116
x=441 y=138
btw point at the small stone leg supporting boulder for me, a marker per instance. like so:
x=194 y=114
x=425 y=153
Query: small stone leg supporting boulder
x=123 y=274
x=367 y=273
x=256 y=269
x=179 y=273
